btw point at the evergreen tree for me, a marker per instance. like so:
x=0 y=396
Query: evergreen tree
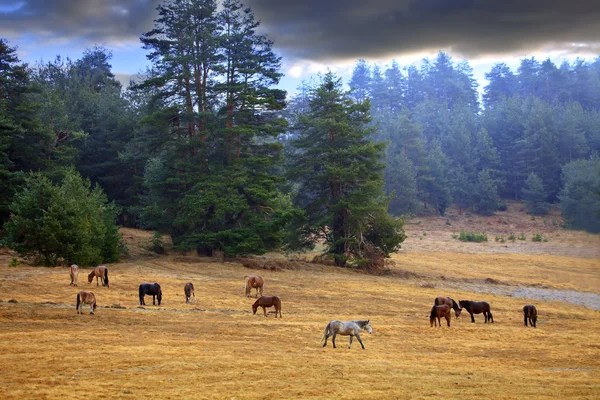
x=535 y=196
x=340 y=177
x=579 y=200
x=486 y=194
x=361 y=81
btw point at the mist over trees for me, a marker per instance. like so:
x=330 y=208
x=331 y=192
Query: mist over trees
x=206 y=148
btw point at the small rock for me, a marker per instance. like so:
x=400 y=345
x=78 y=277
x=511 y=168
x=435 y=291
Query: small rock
x=12 y=301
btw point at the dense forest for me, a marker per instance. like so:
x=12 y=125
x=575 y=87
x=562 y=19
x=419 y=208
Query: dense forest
x=205 y=147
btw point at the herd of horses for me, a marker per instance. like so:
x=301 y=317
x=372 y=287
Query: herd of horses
x=442 y=307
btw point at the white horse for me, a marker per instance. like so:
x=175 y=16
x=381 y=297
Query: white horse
x=74 y=272
x=350 y=328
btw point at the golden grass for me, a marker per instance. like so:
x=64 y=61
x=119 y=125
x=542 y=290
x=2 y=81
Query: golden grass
x=216 y=349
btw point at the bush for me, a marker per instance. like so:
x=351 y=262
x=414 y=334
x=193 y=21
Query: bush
x=512 y=237
x=72 y=221
x=13 y=262
x=473 y=237
x=157 y=246
x=537 y=237
x=502 y=206
x=522 y=237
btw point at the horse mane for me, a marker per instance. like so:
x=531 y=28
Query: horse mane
x=361 y=322
x=454 y=305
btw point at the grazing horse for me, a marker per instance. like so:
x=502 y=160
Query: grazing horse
x=530 y=312
x=450 y=302
x=150 y=289
x=268 y=301
x=254 y=281
x=74 y=272
x=85 y=298
x=439 y=312
x=350 y=328
x=99 y=272
x=188 y=289
x=477 y=307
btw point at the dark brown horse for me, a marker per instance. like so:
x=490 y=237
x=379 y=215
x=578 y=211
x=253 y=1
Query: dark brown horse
x=74 y=272
x=530 y=312
x=448 y=301
x=99 y=272
x=150 y=289
x=477 y=307
x=189 y=292
x=85 y=298
x=441 y=311
x=254 y=281
x=268 y=301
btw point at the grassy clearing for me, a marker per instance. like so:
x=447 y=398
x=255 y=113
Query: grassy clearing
x=216 y=349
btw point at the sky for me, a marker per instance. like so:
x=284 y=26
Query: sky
x=314 y=35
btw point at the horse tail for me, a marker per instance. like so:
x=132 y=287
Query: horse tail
x=436 y=302
x=247 y=279
x=78 y=301
x=106 y=277
x=432 y=315
x=327 y=329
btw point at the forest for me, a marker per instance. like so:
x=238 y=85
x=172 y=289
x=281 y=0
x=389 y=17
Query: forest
x=206 y=148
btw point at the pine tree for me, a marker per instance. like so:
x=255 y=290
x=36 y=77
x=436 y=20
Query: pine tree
x=361 y=81
x=340 y=177
x=535 y=196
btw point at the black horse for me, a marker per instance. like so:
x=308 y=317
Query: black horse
x=477 y=307
x=150 y=289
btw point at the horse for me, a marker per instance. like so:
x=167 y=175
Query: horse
x=254 y=281
x=188 y=289
x=450 y=302
x=530 y=312
x=268 y=301
x=349 y=328
x=477 y=307
x=85 y=298
x=74 y=272
x=442 y=310
x=150 y=289
x=99 y=272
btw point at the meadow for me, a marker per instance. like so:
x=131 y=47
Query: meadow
x=216 y=348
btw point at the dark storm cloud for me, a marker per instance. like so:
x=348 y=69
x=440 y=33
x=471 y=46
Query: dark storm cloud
x=94 y=21
x=347 y=29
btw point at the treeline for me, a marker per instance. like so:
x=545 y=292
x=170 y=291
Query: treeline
x=535 y=136
x=205 y=148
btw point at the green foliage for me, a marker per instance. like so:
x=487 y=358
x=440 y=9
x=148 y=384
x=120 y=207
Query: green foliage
x=579 y=199
x=522 y=236
x=473 y=237
x=535 y=196
x=157 y=244
x=72 y=221
x=538 y=237
x=512 y=237
x=13 y=262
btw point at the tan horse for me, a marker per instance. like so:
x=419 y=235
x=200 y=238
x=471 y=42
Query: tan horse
x=74 y=272
x=268 y=301
x=99 y=272
x=450 y=302
x=438 y=312
x=254 y=281
x=85 y=298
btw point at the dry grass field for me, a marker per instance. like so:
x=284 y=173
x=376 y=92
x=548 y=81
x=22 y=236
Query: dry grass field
x=216 y=348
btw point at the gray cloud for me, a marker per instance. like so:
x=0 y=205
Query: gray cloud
x=332 y=30
x=348 y=29
x=92 y=21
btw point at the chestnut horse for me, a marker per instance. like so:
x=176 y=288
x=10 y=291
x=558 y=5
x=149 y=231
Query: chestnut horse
x=530 y=312
x=350 y=328
x=99 y=272
x=268 y=301
x=85 y=298
x=254 y=281
x=477 y=307
x=150 y=289
x=450 y=302
x=438 y=312
x=74 y=272
x=188 y=289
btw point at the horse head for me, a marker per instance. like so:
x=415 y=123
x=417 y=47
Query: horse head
x=457 y=312
x=367 y=327
x=91 y=276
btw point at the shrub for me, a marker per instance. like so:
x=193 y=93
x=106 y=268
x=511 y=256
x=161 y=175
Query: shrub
x=512 y=237
x=72 y=221
x=522 y=237
x=537 y=237
x=502 y=206
x=473 y=237
x=13 y=262
x=158 y=245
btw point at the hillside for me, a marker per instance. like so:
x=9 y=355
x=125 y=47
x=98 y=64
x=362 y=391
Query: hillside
x=216 y=348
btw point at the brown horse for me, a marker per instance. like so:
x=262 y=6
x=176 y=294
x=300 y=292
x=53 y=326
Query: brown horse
x=477 y=307
x=268 y=301
x=99 y=272
x=85 y=298
x=439 y=312
x=450 y=302
x=189 y=292
x=530 y=312
x=254 y=281
x=74 y=272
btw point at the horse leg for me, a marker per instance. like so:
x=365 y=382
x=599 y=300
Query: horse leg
x=525 y=319
x=472 y=318
x=92 y=308
x=326 y=337
x=360 y=341
x=448 y=319
x=153 y=299
x=350 y=344
x=333 y=339
x=265 y=311
x=490 y=316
